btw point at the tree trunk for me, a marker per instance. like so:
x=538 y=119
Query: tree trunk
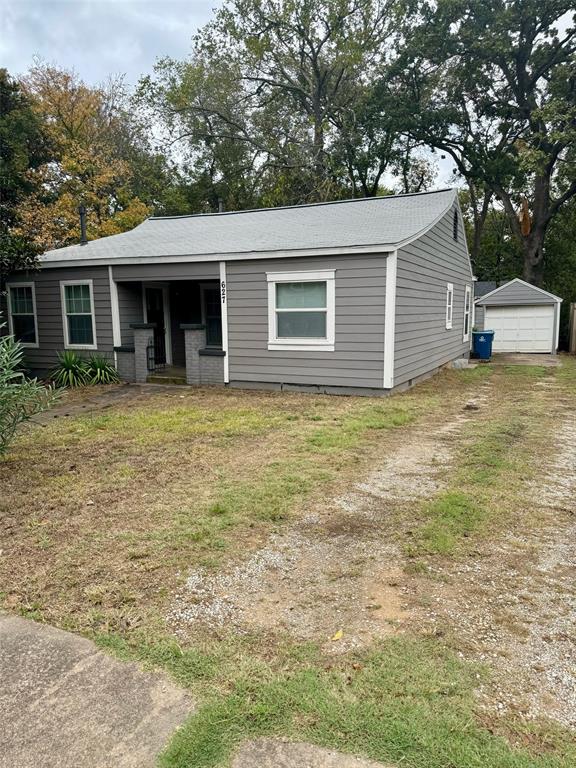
x=319 y=169
x=533 y=247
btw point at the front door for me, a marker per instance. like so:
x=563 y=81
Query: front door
x=213 y=316
x=155 y=314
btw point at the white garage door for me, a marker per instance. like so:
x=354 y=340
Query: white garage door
x=521 y=329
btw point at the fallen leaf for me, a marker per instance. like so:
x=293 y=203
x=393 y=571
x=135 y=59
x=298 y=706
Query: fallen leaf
x=338 y=635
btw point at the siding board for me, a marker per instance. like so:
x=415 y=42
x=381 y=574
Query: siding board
x=49 y=311
x=131 y=308
x=165 y=272
x=358 y=358
x=425 y=266
x=514 y=293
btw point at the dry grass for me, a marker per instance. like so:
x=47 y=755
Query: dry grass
x=104 y=510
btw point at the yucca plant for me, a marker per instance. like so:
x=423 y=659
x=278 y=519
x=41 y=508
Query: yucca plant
x=101 y=370
x=71 y=371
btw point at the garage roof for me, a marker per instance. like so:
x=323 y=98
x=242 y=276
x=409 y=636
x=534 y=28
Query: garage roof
x=517 y=292
x=381 y=222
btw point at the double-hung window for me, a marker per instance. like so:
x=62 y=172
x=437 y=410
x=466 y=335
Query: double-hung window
x=449 y=304
x=467 y=312
x=78 y=314
x=22 y=321
x=301 y=307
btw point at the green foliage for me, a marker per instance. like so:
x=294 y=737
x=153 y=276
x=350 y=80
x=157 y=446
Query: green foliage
x=23 y=147
x=274 y=107
x=405 y=702
x=71 y=371
x=101 y=371
x=464 y=508
x=76 y=371
x=185 y=665
x=20 y=397
x=560 y=263
x=490 y=84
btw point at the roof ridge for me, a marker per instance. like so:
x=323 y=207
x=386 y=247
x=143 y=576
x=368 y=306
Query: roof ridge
x=302 y=205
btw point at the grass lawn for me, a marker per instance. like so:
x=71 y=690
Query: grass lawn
x=106 y=513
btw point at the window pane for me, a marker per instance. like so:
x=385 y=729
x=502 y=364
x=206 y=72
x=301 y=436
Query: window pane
x=24 y=328
x=77 y=299
x=213 y=332
x=301 y=325
x=80 y=329
x=297 y=295
x=21 y=300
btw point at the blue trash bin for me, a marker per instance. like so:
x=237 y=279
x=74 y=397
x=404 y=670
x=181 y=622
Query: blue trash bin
x=482 y=344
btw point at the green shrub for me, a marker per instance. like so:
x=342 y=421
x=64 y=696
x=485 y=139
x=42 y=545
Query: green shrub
x=101 y=370
x=75 y=371
x=71 y=371
x=20 y=397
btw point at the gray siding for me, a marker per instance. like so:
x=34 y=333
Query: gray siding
x=422 y=342
x=130 y=305
x=49 y=313
x=512 y=294
x=479 y=315
x=358 y=358
x=164 y=271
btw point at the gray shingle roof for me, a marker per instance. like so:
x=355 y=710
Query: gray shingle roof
x=517 y=292
x=380 y=221
x=482 y=287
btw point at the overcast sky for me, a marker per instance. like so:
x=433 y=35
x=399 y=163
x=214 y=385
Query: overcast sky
x=98 y=37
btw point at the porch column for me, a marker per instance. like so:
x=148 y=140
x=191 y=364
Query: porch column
x=143 y=337
x=194 y=341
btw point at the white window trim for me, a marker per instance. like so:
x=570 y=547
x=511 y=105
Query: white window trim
x=467 y=297
x=303 y=344
x=224 y=300
x=390 y=318
x=449 y=305
x=11 y=324
x=89 y=283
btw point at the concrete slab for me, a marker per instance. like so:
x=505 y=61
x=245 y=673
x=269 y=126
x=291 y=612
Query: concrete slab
x=65 y=703
x=520 y=358
x=275 y=753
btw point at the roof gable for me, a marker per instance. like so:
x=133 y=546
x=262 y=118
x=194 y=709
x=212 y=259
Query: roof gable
x=382 y=223
x=517 y=291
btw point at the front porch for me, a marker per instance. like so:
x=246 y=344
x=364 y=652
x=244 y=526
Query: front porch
x=170 y=331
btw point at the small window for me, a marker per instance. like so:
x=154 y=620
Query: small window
x=301 y=310
x=467 y=312
x=212 y=315
x=449 y=304
x=78 y=312
x=455 y=226
x=22 y=314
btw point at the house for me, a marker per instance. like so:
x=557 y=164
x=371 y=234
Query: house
x=357 y=296
x=524 y=318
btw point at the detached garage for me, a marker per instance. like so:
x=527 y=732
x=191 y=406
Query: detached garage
x=524 y=318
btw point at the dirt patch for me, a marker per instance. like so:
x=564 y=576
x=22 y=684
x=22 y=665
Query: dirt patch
x=275 y=753
x=512 y=603
x=336 y=577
